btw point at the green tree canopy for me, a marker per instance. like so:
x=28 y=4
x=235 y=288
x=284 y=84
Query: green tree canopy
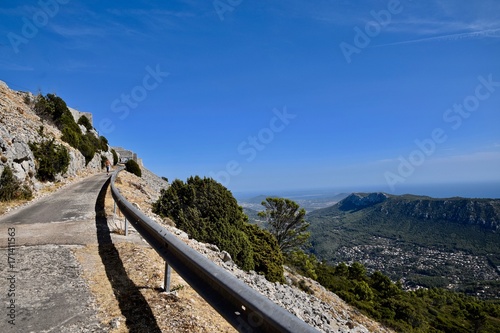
x=132 y=167
x=54 y=108
x=209 y=213
x=85 y=122
x=286 y=222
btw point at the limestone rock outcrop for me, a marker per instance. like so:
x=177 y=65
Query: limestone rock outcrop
x=20 y=125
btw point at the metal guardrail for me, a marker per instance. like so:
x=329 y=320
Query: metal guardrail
x=243 y=307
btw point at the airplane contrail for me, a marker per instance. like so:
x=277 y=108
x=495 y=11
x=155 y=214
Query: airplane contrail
x=495 y=33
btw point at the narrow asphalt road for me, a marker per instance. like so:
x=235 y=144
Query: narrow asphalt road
x=41 y=287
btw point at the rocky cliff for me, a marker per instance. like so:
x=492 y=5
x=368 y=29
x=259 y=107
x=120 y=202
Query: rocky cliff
x=20 y=125
x=484 y=213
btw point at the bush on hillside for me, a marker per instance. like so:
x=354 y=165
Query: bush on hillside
x=132 y=167
x=115 y=157
x=85 y=122
x=266 y=255
x=209 y=213
x=43 y=107
x=103 y=143
x=51 y=159
x=11 y=188
x=56 y=110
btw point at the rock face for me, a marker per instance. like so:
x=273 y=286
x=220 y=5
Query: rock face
x=20 y=125
x=484 y=213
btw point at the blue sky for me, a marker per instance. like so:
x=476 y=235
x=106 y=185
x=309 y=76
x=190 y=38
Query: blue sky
x=275 y=95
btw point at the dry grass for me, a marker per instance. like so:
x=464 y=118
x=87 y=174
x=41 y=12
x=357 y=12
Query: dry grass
x=6 y=206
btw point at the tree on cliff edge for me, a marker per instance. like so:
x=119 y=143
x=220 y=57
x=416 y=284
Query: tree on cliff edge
x=286 y=223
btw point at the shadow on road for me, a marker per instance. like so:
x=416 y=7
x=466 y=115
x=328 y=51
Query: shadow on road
x=139 y=317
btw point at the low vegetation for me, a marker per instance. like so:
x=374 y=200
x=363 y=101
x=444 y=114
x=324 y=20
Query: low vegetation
x=11 y=188
x=115 y=157
x=53 y=108
x=209 y=213
x=51 y=159
x=132 y=167
x=85 y=122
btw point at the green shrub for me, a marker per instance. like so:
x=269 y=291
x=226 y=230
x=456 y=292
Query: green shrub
x=51 y=159
x=27 y=100
x=71 y=137
x=89 y=145
x=55 y=108
x=103 y=143
x=11 y=188
x=132 y=167
x=267 y=256
x=209 y=213
x=60 y=108
x=115 y=157
x=43 y=107
x=304 y=263
x=85 y=122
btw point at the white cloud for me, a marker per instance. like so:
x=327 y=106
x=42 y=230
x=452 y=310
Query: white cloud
x=75 y=31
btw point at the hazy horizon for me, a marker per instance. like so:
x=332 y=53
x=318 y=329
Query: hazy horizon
x=465 y=190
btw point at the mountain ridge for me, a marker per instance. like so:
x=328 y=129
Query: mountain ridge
x=482 y=212
x=449 y=241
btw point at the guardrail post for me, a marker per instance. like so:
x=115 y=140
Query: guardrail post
x=126 y=227
x=166 y=280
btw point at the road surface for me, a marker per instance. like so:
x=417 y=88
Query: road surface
x=41 y=288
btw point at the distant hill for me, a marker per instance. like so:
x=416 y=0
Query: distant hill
x=308 y=200
x=258 y=199
x=453 y=242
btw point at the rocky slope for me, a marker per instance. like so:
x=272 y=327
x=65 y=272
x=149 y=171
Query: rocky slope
x=20 y=125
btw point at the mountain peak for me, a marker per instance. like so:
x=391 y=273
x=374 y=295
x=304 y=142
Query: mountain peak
x=357 y=201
